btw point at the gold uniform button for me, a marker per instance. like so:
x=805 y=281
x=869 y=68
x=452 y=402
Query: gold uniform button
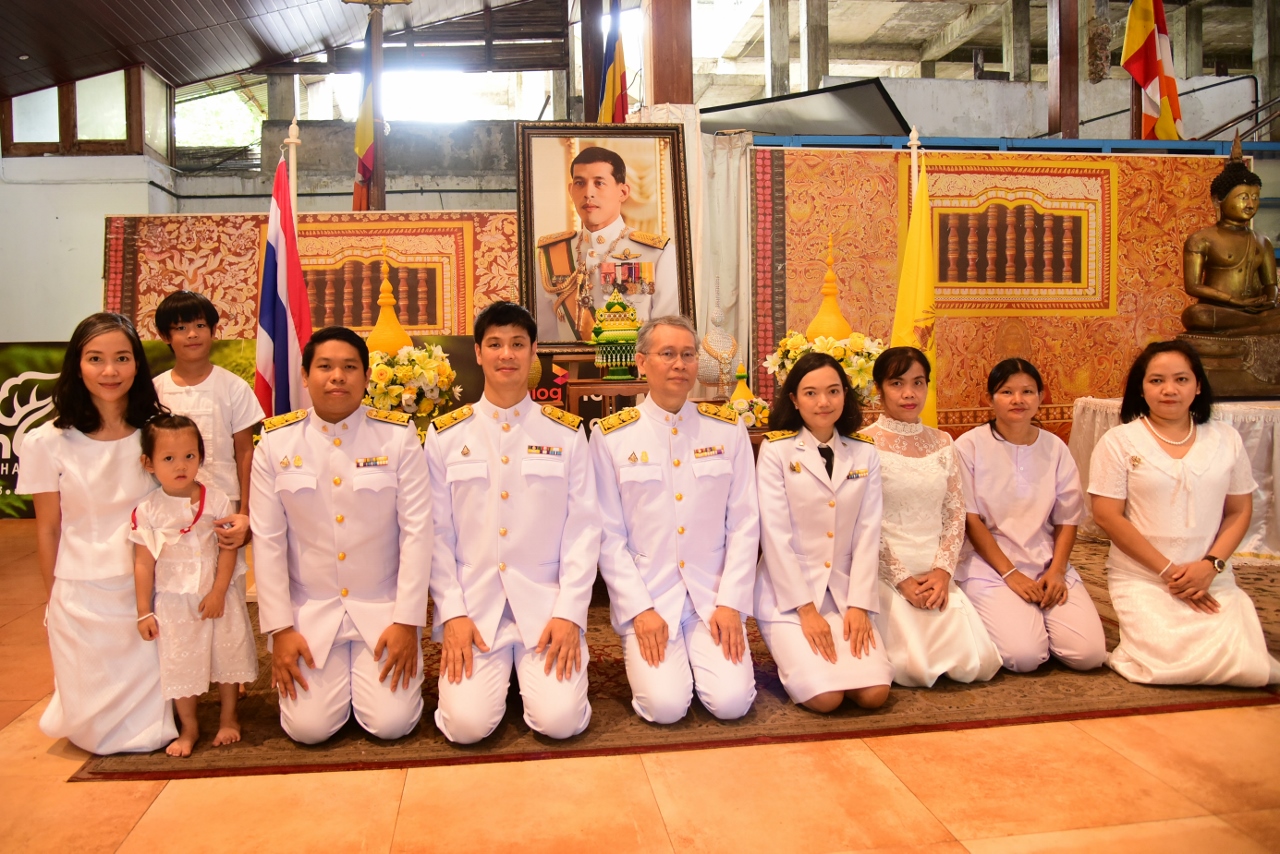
x=505 y=495
x=502 y=567
x=827 y=564
x=675 y=463
x=674 y=431
x=339 y=518
x=337 y=481
x=679 y=497
x=344 y=591
x=337 y=443
x=342 y=555
x=506 y=428
x=682 y=564
x=505 y=459
x=680 y=530
x=502 y=532
x=831 y=503
x=831 y=534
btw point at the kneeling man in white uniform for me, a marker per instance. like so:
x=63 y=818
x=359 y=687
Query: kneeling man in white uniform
x=677 y=493
x=517 y=542
x=342 y=529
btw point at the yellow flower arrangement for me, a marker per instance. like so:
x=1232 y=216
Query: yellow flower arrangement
x=753 y=412
x=415 y=380
x=856 y=354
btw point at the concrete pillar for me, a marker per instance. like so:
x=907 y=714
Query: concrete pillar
x=560 y=95
x=928 y=69
x=280 y=103
x=815 y=58
x=777 y=48
x=1186 y=39
x=1266 y=55
x=1016 y=46
x=668 y=51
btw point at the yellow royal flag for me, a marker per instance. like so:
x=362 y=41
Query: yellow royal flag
x=913 y=318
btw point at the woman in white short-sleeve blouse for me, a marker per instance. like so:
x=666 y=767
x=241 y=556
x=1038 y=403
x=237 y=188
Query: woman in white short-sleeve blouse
x=1173 y=490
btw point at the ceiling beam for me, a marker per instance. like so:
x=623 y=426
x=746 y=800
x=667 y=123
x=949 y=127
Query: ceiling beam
x=849 y=52
x=959 y=31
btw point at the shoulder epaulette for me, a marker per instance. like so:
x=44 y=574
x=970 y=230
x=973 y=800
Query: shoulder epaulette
x=559 y=416
x=863 y=437
x=394 y=416
x=723 y=413
x=776 y=435
x=457 y=416
x=548 y=239
x=619 y=419
x=275 y=422
x=657 y=241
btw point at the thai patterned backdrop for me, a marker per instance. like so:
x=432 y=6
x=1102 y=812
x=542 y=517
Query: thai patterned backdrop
x=858 y=197
x=443 y=266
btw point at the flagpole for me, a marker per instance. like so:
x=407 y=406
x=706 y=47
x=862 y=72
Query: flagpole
x=293 y=141
x=913 y=142
x=378 y=183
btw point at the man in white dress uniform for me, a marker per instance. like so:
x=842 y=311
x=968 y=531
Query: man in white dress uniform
x=571 y=264
x=677 y=491
x=342 y=526
x=517 y=542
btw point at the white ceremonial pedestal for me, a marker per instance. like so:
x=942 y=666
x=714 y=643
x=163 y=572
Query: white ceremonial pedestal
x=1257 y=422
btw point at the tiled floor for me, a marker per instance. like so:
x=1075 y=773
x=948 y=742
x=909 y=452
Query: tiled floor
x=1187 y=782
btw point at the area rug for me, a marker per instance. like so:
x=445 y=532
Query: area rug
x=1051 y=693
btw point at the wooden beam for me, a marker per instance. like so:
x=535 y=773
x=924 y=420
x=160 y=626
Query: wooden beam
x=1064 y=69
x=592 y=57
x=668 y=51
x=959 y=31
x=133 y=110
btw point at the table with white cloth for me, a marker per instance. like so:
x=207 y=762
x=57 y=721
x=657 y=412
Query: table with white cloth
x=1257 y=422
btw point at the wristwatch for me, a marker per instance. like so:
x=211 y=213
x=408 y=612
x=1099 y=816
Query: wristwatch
x=1218 y=563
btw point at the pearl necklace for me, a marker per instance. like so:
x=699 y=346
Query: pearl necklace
x=1190 y=433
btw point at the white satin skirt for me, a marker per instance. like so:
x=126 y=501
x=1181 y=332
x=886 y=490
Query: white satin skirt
x=924 y=645
x=1163 y=641
x=106 y=696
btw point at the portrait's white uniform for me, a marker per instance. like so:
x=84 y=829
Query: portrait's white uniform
x=517 y=542
x=341 y=533
x=681 y=533
x=820 y=537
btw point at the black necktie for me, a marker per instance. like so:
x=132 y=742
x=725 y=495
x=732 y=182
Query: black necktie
x=828 y=457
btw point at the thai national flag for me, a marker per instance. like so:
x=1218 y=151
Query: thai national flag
x=284 y=311
x=613 y=80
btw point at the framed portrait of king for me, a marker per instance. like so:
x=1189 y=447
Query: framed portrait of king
x=601 y=208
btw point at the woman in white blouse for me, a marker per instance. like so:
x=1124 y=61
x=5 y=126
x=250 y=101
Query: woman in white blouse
x=85 y=472
x=1174 y=491
x=1024 y=502
x=819 y=488
x=928 y=623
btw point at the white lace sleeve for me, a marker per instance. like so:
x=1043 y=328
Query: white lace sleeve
x=953 y=514
x=891 y=569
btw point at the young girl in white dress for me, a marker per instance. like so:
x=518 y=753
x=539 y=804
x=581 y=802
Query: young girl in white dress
x=84 y=474
x=927 y=622
x=816 y=584
x=1173 y=490
x=185 y=595
x=1024 y=502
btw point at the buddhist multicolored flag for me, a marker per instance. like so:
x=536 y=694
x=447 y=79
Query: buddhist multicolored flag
x=613 y=83
x=913 y=318
x=284 y=311
x=1148 y=57
x=366 y=141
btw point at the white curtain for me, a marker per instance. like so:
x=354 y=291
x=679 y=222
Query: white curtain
x=719 y=210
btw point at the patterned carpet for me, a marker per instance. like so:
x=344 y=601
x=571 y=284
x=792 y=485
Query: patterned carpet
x=1051 y=693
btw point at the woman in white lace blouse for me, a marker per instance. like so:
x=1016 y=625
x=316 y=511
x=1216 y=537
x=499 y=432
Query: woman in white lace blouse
x=1174 y=492
x=928 y=624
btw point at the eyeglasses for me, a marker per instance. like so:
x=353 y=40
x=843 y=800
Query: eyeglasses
x=669 y=357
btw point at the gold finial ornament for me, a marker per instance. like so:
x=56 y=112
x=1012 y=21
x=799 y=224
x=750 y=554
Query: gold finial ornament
x=829 y=321
x=743 y=391
x=387 y=335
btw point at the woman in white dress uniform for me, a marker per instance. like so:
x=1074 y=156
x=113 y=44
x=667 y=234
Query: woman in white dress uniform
x=1024 y=503
x=85 y=472
x=1174 y=491
x=927 y=622
x=819 y=488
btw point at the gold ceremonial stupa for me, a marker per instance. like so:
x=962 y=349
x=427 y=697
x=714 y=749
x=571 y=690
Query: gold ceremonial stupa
x=829 y=321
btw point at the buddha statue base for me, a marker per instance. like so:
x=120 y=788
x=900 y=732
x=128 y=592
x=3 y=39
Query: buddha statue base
x=1243 y=366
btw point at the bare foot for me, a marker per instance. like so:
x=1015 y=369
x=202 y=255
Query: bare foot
x=182 y=745
x=241 y=693
x=227 y=734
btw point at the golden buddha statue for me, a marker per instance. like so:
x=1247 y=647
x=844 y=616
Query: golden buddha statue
x=1229 y=267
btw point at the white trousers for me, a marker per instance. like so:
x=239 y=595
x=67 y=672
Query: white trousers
x=349 y=679
x=1027 y=635
x=472 y=709
x=662 y=694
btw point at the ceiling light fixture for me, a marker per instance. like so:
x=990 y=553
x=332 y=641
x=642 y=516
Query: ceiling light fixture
x=24 y=57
